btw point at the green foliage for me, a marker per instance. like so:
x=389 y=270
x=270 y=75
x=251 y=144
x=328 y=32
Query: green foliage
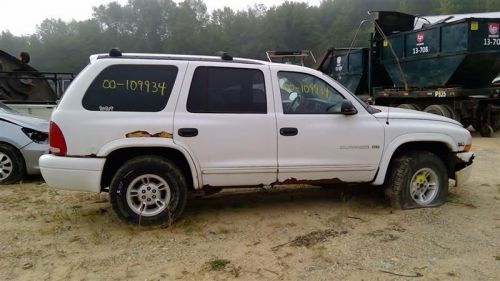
x=167 y=26
x=421 y=7
x=218 y=264
x=493 y=5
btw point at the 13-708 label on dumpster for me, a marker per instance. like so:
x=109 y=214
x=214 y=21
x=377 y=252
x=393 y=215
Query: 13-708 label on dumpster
x=491 y=42
x=493 y=32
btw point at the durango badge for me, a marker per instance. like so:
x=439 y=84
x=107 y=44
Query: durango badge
x=493 y=29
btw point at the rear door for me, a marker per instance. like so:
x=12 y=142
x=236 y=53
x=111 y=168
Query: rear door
x=225 y=118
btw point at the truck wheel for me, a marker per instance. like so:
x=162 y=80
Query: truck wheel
x=438 y=110
x=407 y=106
x=495 y=121
x=453 y=114
x=11 y=164
x=417 y=107
x=148 y=190
x=486 y=131
x=417 y=180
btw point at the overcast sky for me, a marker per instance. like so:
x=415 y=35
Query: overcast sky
x=22 y=16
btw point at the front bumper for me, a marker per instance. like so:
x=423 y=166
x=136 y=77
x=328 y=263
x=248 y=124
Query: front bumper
x=72 y=173
x=463 y=167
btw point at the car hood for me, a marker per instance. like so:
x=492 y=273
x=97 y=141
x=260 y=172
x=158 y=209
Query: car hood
x=26 y=121
x=400 y=113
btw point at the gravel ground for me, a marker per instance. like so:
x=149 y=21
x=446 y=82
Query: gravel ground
x=293 y=233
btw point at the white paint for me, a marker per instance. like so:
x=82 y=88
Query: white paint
x=241 y=149
x=231 y=149
x=79 y=174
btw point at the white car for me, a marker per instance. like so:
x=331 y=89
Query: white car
x=150 y=128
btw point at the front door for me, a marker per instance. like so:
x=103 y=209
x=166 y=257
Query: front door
x=316 y=143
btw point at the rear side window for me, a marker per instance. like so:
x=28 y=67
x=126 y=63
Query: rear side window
x=227 y=90
x=139 y=88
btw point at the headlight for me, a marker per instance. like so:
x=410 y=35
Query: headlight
x=36 y=136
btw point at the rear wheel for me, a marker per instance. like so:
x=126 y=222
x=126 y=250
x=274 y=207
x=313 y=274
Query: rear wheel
x=439 y=110
x=417 y=180
x=482 y=124
x=11 y=164
x=407 y=106
x=148 y=190
x=417 y=107
x=495 y=121
x=453 y=114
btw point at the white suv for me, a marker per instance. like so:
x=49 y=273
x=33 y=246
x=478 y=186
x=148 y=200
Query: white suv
x=150 y=128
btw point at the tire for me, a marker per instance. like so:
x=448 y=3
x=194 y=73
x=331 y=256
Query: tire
x=484 y=129
x=438 y=110
x=495 y=121
x=453 y=114
x=417 y=107
x=410 y=177
x=407 y=106
x=148 y=190
x=12 y=167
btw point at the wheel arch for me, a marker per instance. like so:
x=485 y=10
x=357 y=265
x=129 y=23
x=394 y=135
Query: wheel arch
x=115 y=158
x=16 y=149
x=441 y=145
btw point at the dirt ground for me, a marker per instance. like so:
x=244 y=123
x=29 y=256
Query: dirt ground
x=306 y=233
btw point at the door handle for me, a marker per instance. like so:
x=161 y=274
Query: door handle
x=288 y=132
x=188 y=132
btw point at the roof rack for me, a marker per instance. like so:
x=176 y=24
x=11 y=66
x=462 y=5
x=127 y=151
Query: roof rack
x=221 y=57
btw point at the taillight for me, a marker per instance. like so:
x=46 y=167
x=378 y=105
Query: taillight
x=56 y=140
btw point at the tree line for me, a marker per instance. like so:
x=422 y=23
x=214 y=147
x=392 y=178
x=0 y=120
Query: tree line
x=164 y=26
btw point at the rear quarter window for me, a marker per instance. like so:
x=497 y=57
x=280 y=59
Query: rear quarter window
x=141 y=88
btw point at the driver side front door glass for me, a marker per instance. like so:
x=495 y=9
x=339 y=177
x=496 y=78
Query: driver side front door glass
x=306 y=94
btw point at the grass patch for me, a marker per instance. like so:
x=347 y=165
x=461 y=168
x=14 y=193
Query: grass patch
x=218 y=264
x=189 y=225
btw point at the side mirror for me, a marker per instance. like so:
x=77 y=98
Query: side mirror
x=348 y=108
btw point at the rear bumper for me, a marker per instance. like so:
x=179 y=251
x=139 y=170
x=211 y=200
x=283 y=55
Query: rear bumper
x=464 y=167
x=72 y=173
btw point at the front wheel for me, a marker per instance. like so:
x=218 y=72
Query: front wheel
x=417 y=180
x=148 y=190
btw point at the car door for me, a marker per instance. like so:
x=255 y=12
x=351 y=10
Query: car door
x=225 y=118
x=316 y=142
